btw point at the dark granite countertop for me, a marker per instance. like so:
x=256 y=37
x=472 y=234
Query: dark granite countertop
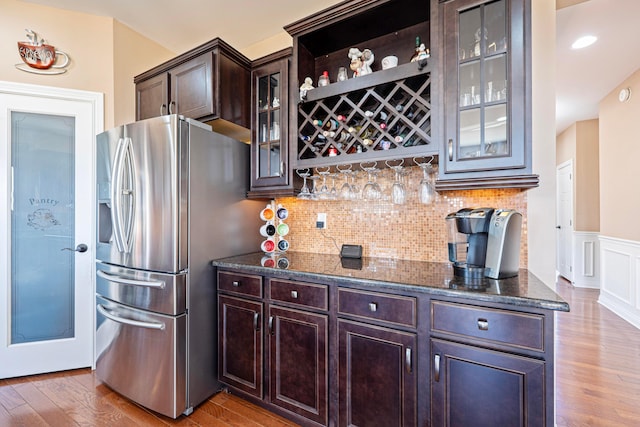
x=435 y=278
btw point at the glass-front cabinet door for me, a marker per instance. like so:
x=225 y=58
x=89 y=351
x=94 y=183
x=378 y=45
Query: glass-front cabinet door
x=485 y=122
x=269 y=142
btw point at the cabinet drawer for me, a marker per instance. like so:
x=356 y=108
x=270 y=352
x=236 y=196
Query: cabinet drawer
x=241 y=284
x=395 y=309
x=306 y=294
x=502 y=326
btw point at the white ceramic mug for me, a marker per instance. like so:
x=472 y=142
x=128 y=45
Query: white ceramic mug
x=389 y=62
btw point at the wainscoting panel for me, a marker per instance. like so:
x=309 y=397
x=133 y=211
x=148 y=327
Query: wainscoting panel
x=586 y=259
x=620 y=278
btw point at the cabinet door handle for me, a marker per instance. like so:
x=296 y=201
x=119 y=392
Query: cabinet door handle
x=163 y=108
x=373 y=307
x=235 y=283
x=483 y=324
x=271 y=325
x=294 y=294
x=450 y=149
x=256 y=323
x=282 y=166
x=171 y=109
x=436 y=368
x=408 y=360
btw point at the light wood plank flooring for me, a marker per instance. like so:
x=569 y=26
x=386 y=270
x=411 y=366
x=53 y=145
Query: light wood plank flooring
x=598 y=384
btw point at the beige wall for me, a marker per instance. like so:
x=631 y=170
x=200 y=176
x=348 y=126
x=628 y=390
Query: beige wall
x=566 y=145
x=619 y=166
x=104 y=54
x=580 y=142
x=133 y=54
x=542 y=200
x=587 y=179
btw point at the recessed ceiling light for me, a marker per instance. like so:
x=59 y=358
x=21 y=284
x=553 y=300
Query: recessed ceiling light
x=584 y=41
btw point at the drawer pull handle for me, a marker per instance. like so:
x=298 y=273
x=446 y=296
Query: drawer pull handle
x=436 y=368
x=235 y=283
x=483 y=324
x=271 y=325
x=373 y=307
x=294 y=294
x=408 y=360
x=256 y=323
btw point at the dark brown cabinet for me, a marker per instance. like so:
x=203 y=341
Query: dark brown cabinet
x=490 y=366
x=240 y=348
x=376 y=378
x=271 y=171
x=209 y=82
x=339 y=353
x=478 y=387
x=386 y=114
x=298 y=362
x=487 y=104
x=240 y=331
x=377 y=366
x=294 y=379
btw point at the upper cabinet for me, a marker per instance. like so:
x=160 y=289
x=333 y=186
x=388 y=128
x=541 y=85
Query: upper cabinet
x=209 y=82
x=384 y=112
x=486 y=116
x=271 y=173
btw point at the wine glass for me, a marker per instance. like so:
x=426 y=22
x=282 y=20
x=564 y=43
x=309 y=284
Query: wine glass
x=323 y=191
x=398 y=192
x=333 y=193
x=305 y=193
x=314 y=187
x=371 y=190
x=355 y=190
x=345 y=189
x=426 y=190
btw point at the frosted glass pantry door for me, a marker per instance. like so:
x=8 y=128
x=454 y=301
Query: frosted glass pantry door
x=46 y=288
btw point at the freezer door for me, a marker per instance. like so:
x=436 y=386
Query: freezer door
x=142 y=356
x=142 y=195
x=158 y=292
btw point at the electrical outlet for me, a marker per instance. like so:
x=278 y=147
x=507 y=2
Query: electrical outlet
x=321 y=222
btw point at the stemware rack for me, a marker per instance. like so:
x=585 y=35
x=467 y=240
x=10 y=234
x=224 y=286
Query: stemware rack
x=383 y=115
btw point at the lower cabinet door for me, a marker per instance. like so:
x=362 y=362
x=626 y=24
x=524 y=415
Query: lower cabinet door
x=472 y=386
x=298 y=358
x=240 y=344
x=376 y=376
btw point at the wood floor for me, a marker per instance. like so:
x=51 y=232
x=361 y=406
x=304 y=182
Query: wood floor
x=598 y=384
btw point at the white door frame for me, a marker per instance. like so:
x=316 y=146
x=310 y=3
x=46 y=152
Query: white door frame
x=565 y=243
x=96 y=103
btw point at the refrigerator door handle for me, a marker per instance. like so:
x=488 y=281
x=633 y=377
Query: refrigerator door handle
x=124 y=281
x=116 y=190
x=130 y=193
x=122 y=227
x=147 y=325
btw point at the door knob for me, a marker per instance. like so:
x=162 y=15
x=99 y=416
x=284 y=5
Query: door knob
x=80 y=248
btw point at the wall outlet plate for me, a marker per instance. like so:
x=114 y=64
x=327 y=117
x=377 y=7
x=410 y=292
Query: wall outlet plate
x=321 y=222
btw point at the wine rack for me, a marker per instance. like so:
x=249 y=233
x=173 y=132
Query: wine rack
x=383 y=115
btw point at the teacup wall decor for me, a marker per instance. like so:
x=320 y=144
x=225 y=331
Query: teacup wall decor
x=39 y=57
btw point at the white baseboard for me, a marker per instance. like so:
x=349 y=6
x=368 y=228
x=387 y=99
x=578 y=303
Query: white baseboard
x=620 y=278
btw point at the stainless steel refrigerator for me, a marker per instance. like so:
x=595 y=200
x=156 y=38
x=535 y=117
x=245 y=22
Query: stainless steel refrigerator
x=171 y=197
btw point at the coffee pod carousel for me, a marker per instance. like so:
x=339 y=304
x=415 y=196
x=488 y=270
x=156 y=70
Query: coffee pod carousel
x=274 y=231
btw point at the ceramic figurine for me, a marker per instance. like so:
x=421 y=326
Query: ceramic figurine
x=360 y=61
x=305 y=87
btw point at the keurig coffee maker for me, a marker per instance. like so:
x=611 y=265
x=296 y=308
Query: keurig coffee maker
x=484 y=242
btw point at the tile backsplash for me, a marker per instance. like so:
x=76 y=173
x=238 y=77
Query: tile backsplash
x=411 y=231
